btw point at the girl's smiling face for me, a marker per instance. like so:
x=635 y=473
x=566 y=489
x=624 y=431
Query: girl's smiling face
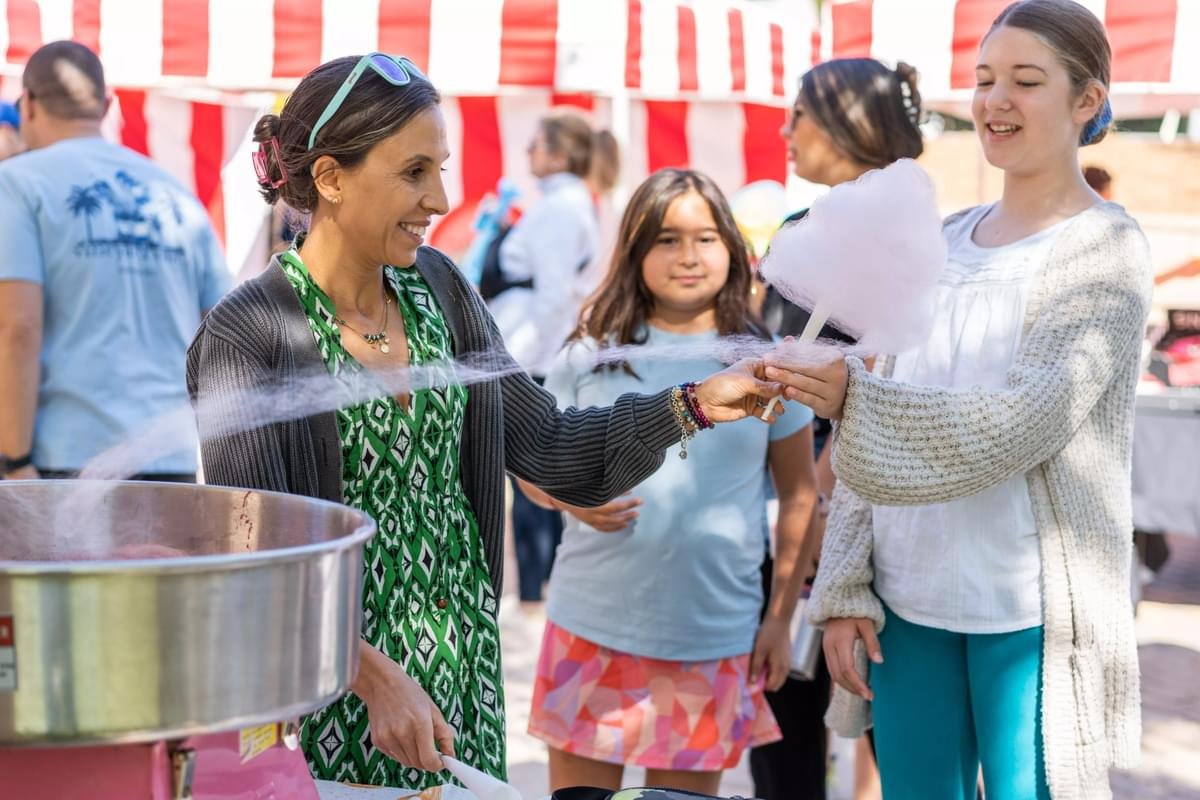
x=688 y=264
x=1026 y=110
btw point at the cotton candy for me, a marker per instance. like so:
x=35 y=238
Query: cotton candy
x=867 y=257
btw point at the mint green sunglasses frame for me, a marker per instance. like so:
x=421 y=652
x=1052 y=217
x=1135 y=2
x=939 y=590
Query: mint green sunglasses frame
x=407 y=71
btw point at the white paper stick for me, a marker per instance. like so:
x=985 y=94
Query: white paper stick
x=812 y=329
x=816 y=321
x=480 y=784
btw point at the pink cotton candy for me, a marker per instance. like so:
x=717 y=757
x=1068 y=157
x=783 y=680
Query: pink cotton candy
x=868 y=255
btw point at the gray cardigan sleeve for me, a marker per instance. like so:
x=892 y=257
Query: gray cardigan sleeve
x=585 y=457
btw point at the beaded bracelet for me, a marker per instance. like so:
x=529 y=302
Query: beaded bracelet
x=687 y=423
x=693 y=403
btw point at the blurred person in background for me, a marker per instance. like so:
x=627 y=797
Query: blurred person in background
x=850 y=116
x=109 y=265
x=542 y=261
x=10 y=135
x=602 y=180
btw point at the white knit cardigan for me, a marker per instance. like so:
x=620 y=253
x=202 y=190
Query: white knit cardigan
x=1065 y=421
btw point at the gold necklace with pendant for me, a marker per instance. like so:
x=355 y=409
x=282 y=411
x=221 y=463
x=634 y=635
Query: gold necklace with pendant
x=376 y=341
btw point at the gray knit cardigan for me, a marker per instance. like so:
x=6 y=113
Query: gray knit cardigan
x=1065 y=422
x=258 y=335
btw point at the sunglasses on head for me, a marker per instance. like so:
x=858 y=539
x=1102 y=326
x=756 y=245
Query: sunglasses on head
x=396 y=70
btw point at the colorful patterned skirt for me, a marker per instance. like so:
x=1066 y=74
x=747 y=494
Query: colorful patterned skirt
x=620 y=708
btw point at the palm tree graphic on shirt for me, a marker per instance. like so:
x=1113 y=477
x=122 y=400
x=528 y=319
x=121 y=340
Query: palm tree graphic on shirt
x=83 y=201
x=137 y=221
x=139 y=215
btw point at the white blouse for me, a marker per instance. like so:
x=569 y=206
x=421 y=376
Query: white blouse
x=971 y=565
x=549 y=245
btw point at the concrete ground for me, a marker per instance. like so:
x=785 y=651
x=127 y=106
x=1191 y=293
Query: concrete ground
x=1168 y=629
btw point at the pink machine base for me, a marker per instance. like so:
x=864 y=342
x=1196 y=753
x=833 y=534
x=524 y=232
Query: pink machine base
x=148 y=771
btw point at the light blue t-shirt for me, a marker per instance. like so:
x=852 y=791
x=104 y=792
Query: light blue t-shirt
x=683 y=582
x=127 y=260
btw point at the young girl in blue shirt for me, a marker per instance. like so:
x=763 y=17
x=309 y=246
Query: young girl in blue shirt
x=653 y=654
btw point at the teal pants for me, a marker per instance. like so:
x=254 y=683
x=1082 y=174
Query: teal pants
x=947 y=703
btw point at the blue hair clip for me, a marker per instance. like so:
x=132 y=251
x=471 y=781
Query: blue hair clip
x=1097 y=124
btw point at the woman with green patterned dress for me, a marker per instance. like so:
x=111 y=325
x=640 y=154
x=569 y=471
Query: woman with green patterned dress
x=359 y=147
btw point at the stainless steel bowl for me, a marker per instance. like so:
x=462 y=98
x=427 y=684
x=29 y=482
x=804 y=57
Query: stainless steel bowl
x=145 y=611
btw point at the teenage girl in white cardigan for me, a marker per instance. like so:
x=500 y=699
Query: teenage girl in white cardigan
x=982 y=523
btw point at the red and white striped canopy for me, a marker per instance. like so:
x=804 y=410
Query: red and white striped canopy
x=736 y=143
x=707 y=82
x=683 y=82
x=654 y=48
x=1156 y=60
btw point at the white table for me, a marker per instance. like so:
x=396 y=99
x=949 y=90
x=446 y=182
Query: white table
x=1166 y=463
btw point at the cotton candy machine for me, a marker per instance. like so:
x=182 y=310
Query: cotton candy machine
x=158 y=641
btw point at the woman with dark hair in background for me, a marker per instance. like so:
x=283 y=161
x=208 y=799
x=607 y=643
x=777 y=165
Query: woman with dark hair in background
x=359 y=146
x=850 y=116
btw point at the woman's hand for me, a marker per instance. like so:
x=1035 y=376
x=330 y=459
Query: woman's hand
x=737 y=392
x=772 y=652
x=611 y=517
x=840 y=636
x=821 y=388
x=405 y=723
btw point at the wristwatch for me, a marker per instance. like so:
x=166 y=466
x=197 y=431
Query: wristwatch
x=8 y=465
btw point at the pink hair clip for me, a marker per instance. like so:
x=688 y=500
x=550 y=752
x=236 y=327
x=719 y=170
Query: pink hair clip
x=261 y=169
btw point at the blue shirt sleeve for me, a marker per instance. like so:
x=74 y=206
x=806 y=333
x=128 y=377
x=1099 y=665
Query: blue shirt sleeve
x=22 y=259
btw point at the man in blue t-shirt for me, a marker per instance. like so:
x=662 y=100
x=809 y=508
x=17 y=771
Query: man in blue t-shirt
x=108 y=265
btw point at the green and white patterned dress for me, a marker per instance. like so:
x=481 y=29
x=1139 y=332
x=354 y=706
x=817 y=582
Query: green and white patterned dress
x=428 y=602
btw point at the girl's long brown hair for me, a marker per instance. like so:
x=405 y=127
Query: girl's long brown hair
x=617 y=313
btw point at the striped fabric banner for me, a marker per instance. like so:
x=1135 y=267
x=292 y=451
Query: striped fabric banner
x=708 y=82
x=662 y=49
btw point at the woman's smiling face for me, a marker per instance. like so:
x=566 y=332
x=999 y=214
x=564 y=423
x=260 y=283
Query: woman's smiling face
x=390 y=199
